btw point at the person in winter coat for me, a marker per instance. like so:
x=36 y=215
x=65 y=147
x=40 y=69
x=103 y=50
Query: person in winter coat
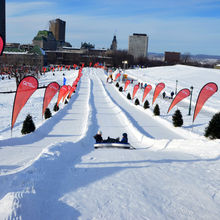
x=172 y=94
x=124 y=138
x=98 y=137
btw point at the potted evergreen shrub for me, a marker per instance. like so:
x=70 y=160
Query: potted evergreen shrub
x=213 y=129
x=156 y=110
x=129 y=96
x=47 y=113
x=137 y=102
x=56 y=107
x=28 y=125
x=177 y=118
x=146 y=104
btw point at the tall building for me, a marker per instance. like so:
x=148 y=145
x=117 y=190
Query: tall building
x=2 y=19
x=114 y=44
x=138 y=45
x=45 y=40
x=58 y=28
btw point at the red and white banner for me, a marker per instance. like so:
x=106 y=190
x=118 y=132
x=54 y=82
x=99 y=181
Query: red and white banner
x=49 y=93
x=118 y=75
x=25 y=89
x=146 y=91
x=67 y=92
x=126 y=84
x=73 y=88
x=158 y=89
x=75 y=82
x=136 y=87
x=1 y=45
x=62 y=92
x=182 y=94
x=205 y=93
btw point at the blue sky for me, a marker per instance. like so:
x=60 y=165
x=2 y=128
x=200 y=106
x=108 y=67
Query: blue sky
x=189 y=26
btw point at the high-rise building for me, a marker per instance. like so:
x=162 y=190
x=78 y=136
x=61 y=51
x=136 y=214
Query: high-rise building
x=138 y=45
x=2 y=19
x=58 y=28
x=114 y=44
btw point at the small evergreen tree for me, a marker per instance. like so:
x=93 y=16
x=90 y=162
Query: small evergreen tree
x=28 y=125
x=213 y=129
x=117 y=84
x=47 y=113
x=129 y=96
x=156 y=110
x=56 y=107
x=177 y=119
x=120 y=89
x=137 y=102
x=146 y=104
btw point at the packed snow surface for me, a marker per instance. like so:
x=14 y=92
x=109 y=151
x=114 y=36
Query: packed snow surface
x=55 y=172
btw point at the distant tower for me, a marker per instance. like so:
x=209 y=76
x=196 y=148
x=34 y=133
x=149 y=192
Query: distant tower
x=2 y=19
x=114 y=44
x=58 y=28
x=138 y=45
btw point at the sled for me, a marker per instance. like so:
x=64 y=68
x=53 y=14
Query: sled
x=113 y=145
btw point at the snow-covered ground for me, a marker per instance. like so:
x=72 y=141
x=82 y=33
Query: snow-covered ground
x=55 y=173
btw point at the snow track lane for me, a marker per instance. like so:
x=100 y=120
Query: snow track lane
x=144 y=123
x=50 y=133
x=110 y=117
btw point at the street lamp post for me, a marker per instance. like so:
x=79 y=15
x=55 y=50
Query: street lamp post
x=176 y=87
x=190 y=100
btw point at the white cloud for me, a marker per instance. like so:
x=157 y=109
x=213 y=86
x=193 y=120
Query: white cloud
x=195 y=35
x=20 y=8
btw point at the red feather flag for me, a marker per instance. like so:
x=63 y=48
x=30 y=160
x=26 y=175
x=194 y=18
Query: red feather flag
x=62 y=92
x=126 y=84
x=136 y=87
x=158 y=89
x=49 y=93
x=146 y=91
x=117 y=76
x=67 y=92
x=182 y=94
x=1 y=45
x=73 y=88
x=205 y=93
x=25 y=89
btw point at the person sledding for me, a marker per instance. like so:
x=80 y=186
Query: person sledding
x=98 y=137
x=124 y=138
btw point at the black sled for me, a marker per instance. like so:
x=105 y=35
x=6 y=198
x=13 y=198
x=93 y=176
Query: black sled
x=113 y=145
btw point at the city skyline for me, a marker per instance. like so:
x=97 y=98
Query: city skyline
x=186 y=27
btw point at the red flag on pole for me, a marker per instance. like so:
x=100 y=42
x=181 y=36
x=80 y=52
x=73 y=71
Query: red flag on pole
x=205 y=93
x=67 y=92
x=73 y=88
x=49 y=93
x=1 y=45
x=75 y=83
x=117 y=76
x=182 y=94
x=136 y=87
x=126 y=84
x=25 y=89
x=62 y=91
x=158 y=89
x=146 y=91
